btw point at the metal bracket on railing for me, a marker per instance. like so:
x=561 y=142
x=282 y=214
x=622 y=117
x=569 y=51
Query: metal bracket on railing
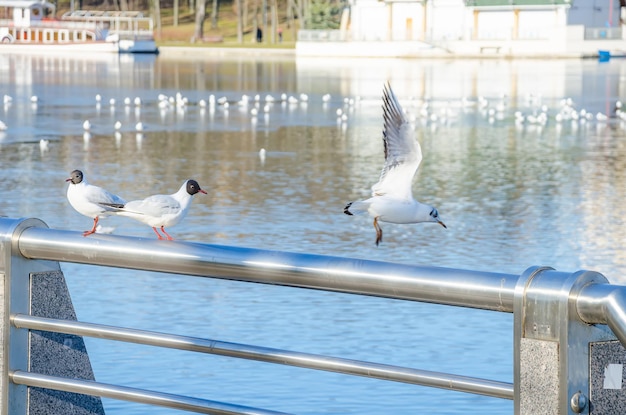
x=14 y=298
x=552 y=342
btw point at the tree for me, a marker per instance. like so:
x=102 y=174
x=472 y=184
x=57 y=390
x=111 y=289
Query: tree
x=214 y=11
x=200 y=15
x=239 y=21
x=155 y=7
x=175 y=17
x=325 y=14
x=302 y=9
x=274 y=15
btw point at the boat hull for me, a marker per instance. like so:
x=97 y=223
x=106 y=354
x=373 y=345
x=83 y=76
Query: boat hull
x=122 y=46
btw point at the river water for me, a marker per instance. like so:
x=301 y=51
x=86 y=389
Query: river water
x=513 y=195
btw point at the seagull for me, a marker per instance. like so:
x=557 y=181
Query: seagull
x=91 y=201
x=43 y=145
x=159 y=211
x=392 y=199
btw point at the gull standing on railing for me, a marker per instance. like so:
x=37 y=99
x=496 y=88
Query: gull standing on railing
x=91 y=201
x=159 y=211
x=392 y=198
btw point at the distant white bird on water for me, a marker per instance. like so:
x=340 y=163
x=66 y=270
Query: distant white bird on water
x=86 y=125
x=159 y=211
x=43 y=145
x=91 y=201
x=392 y=199
x=3 y=126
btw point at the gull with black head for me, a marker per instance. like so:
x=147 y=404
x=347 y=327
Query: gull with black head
x=392 y=197
x=89 y=200
x=160 y=211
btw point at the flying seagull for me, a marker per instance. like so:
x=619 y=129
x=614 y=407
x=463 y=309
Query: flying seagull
x=392 y=198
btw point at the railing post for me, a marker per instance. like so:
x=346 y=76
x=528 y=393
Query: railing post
x=15 y=298
x=552 y=344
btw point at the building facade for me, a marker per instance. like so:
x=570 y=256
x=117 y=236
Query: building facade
x=509 y=27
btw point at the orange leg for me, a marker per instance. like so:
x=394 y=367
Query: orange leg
x=93 y=230
x=379 y=231
x=157 y=232
x=169 y=238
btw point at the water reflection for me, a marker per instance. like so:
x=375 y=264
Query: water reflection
x=513 y=194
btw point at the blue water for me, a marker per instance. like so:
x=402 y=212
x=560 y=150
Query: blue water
x=512 y=195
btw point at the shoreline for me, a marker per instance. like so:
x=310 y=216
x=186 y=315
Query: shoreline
x=340 y=52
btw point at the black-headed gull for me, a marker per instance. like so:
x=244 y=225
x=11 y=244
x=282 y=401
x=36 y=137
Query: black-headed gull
x=159 y=211
x=392 y=199
x=91 y=201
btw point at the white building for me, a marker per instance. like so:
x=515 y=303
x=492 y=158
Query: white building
x=470 y=27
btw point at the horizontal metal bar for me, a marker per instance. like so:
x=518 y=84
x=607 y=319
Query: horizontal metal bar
x=604 y=304
x=332 y=364
x=87 y=387
x=476 y=289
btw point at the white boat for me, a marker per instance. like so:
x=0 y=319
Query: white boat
x=28 y=26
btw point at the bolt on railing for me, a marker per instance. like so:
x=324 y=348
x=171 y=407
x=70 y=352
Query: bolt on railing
x=550 y=307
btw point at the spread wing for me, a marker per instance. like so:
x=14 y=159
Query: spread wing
x=403 y=153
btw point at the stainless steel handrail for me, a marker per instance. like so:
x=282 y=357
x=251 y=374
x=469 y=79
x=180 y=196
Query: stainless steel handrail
x=106 y=390
x=264 y=354
x=476 y=289
x=604 y=304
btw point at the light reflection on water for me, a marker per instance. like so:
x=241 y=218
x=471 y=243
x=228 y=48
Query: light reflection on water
x=512 y=197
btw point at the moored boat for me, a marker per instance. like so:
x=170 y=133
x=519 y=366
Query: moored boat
x=31 y=26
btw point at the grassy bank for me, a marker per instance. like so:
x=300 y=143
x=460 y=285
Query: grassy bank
x=225 y=35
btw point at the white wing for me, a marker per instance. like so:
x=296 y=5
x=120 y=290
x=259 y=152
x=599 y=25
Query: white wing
x=155 y=206
x=403 y=153
x=97 y=194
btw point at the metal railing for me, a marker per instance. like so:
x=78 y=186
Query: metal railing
x=38 y=34
x=588 y=299
x=322 y=35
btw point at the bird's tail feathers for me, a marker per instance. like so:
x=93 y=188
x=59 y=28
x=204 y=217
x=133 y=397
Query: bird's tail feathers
x=114 y=206
x=355 y=208
x=119 y=208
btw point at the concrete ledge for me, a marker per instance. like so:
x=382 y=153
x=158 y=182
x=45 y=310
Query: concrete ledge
x=608 y=378
x=182 y=52
x=58 y=354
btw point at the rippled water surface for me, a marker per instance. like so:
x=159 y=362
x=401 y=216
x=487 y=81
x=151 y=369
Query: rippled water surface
x=512 y=194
